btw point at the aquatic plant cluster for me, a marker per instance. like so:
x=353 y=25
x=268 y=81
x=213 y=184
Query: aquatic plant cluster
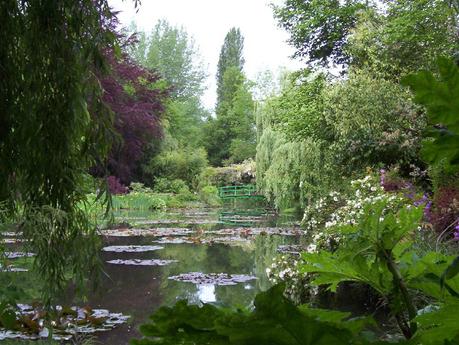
x=29 y=323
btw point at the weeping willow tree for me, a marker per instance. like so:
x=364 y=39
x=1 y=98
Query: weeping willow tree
x=290 y=172
x=53 y=127
x=294 y=158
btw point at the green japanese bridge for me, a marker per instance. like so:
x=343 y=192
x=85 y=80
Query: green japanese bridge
x=242 y=191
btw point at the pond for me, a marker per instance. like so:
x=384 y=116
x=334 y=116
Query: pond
x=202 y=255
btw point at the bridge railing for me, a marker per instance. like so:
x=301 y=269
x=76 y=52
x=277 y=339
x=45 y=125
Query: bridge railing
x=240 y=191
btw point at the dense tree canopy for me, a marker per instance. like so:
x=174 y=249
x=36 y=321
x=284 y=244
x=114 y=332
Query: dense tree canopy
x=320 y=28
x=407 y=37
x=54 y=124
x=138 y=104
x=173 y=53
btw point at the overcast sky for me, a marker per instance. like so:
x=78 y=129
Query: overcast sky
x=208 y=21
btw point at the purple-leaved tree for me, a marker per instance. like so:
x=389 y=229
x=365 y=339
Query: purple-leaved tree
x=135 y=96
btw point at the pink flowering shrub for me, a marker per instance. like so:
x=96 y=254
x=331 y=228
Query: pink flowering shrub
x=444 y=212
x=115 y=186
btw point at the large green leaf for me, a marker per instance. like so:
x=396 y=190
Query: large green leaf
x=439 y=326
x=274 y=321
x=332 y=269
x=424 y=274
x=440 y=97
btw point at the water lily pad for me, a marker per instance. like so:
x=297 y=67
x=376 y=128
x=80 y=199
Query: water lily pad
x=72 y=320
x=15 y=255
x=131 y=249
x=230 y=240
x=173 y=240
x=139 y=262
x=259 y=231
x=212 y=278
x=11 y=268
x=11 y=240
x=10 y=234
x=159 y=232
x=177 y=221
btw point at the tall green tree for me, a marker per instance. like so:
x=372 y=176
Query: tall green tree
x=230 y=136
x=397 y=36
x=408 y=36
x=172 y=52
x=230 y=56
x=320 y=28
x=232 y=133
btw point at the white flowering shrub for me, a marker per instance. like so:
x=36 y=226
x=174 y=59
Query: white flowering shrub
x=366 y=191
x=322 y=221
x=285 y=268
x=345 y=209
x=316 y=214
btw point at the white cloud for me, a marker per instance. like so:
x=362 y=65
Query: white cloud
x=208 y=21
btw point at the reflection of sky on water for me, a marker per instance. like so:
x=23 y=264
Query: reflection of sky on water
x=140 y=290
x=206 y=293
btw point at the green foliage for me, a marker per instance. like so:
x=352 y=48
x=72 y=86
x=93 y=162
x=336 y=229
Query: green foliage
x=346 y=207
x=372 y=121
x=317 y=132
x=53 y=125
x=292 y=175
x=360 y=256
x=274 y=321
x=289 y=171
x=9 y=297
x=230 y=58
x=439 y=325
x=138 y=201
x=163 y=185
x=401 y=38
x=407 y=37
x=230 y=136
x=138 y=187
x=171 y=51
x=185 y=164
x=185 y=121
x=377 y=252
x=319 y=29
x=440 y=98
x=209 y=195
x=300 y=107
x=451 y=271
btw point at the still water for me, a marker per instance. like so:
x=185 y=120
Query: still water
x=209 y=243
x=139 y=290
